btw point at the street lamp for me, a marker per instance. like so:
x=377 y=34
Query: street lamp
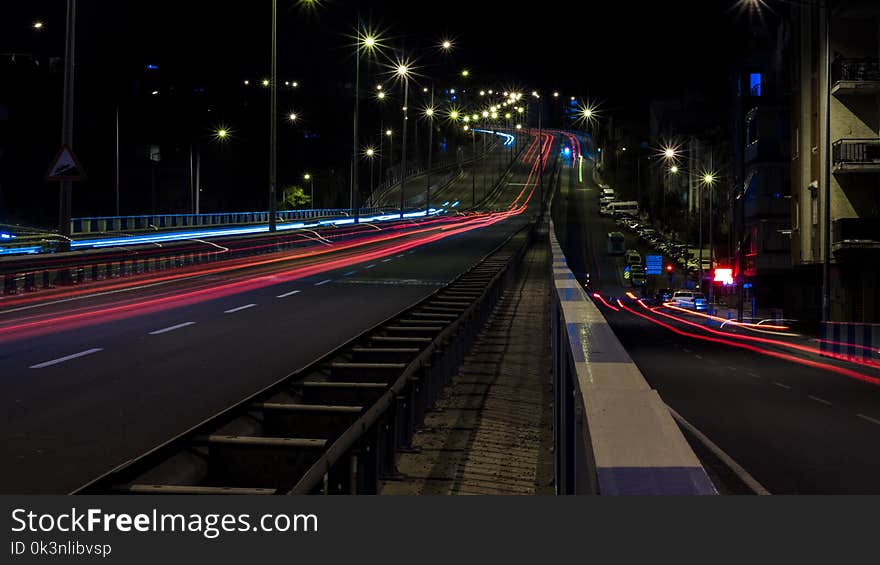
x=370 y=153
x=403 y=72
x=293 y=117
x=311 y=180
x=38 y=25
x=446 y=44
x=367 y=42
x=429 y=115
x=708 y=179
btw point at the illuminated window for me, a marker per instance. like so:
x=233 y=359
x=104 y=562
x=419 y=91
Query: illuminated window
x=755 y=84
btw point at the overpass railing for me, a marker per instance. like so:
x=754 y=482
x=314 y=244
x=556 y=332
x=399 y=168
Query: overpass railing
x=613 y=433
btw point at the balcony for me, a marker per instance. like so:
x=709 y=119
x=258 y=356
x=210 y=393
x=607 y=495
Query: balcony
x=854 y=237
x=856 y=76
x=856 y=156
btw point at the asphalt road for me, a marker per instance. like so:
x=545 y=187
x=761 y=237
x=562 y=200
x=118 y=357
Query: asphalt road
x=795 y=428
x=78 y=400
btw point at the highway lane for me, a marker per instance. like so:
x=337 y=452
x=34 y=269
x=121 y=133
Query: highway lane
x=795 y=428
x=76 y=402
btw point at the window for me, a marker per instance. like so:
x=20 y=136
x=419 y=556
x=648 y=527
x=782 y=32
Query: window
x=796 y=144
x=755 y=84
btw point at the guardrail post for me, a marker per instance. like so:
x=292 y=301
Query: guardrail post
x=9 y=286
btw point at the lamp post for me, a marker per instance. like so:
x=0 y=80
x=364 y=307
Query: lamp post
x=370 y=153
x=473 y=166
x=365 y=42
x=311 y=180
x=273 y=109
x=403 y=72
x=66 y=188
x=540 y=150
x=708 y=179
x=389 y=133
x=429 y=114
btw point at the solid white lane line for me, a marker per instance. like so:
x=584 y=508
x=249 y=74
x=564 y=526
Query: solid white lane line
x=726 y=459
x=786 y=387
x=868 y=418
x=239 y=309
x=820 y=400
x=286 y=294
x=171 y=328
x=66 y=358
x=323 y=282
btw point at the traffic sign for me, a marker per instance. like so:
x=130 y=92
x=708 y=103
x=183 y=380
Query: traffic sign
x=65 y=166
x=654 y=264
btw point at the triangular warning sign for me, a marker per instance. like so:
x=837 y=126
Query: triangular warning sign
x=65 y=166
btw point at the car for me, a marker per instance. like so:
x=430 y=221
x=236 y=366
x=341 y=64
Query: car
x=637 y=275
x=690 y=299
x=647 y=233
x=633 y=257
x=663 y=295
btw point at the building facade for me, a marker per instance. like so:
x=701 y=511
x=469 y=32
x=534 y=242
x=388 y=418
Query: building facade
x=835 y=160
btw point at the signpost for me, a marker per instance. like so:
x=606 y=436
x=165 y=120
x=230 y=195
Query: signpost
x=654 y=264
x=65 y=166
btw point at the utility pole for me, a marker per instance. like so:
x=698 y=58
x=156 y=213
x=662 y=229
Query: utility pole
x=353 y=189
x=403 y=147
x=116 y=170
x=430 y=155
x=273 y=108
x=541 y=154
x=65 y=195
x=474 y=169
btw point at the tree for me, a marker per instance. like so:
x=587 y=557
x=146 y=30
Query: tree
x=293 y=197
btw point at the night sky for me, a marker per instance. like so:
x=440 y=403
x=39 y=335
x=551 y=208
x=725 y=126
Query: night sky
x=620 y=54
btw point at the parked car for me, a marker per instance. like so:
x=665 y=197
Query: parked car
x=637 y=275
x=633 y=257
x=690 y=300
x=663 y=295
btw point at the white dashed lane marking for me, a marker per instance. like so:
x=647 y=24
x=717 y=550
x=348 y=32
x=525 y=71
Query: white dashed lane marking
x=171 y=328
x=286 y=294
x=780 y=385
x=323 y=282
x=869 y=419
x=66 y=358
x=820 y=400
x=239 y=309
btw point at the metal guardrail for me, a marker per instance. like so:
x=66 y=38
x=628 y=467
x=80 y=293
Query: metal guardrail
x=103 y=224
x=335 y=426
x=31 y=273
x=613 y=433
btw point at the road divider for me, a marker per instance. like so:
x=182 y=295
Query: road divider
x=613 y=433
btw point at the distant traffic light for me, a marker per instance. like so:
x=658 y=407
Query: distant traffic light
x=669 y=268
